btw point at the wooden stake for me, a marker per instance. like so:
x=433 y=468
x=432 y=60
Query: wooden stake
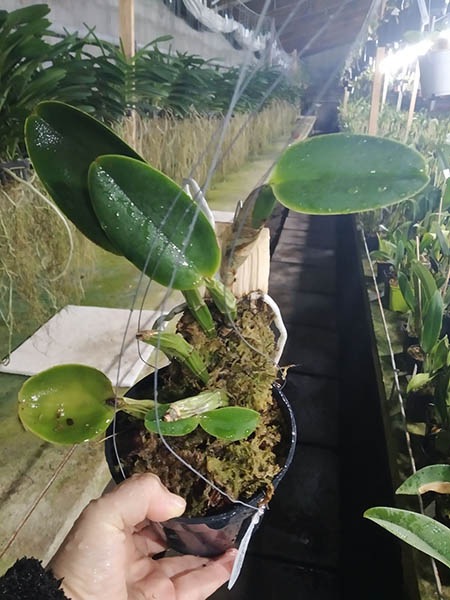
x=273 y=32
x=376 y=91
x=126 y=26
x=412 y=104
x=345 y=101
x=127 y=36
x=399 y=98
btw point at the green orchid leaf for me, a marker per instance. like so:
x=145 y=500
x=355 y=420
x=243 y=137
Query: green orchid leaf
x=442 y=242
x=426 y=279
x=264 y=203
x=170 y=428
x=439 y=354
x=446 y=197
x=418 y=381
x=380 y=256
x=432 y=322
x=162 y=409
x=441 y=394
x=230 y=423
x=142 y=211
x=67 y=404
x=434 y=478
x=418 y=530
x=426 y=242
x=407 y=291
x=341 y=173
x=62 y=142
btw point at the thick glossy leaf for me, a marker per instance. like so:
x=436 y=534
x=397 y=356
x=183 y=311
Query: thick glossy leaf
x=171 y=428
x=434 y=478
x=415 y=529
x=62 y=142
x=67 y=404
x=432 y=322
x=230 y=423
x=341 y=173
x=142 y=211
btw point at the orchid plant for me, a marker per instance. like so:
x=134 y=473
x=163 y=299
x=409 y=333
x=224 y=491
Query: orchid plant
x=125 y=206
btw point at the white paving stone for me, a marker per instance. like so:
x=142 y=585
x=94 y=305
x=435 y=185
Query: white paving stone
x=88 y=335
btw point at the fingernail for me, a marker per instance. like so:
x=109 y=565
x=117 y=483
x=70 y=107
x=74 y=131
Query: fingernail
x=178 y=503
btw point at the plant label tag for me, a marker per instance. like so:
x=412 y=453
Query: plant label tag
x=239 y=560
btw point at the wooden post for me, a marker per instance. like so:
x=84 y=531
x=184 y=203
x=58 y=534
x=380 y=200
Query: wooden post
x=126 y=26
x=273 y=31
x=412 y=104
x=376 y=91
x=345 y=101
x=385 y=91
x=399 y=97
x=127 y=36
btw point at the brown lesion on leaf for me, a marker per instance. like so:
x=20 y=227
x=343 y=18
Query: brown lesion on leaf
x=441 y=487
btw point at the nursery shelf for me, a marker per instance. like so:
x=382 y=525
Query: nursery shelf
x=418 y=571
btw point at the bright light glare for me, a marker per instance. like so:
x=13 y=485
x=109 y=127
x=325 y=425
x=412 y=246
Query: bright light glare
x=445 y=34
x=397 y=61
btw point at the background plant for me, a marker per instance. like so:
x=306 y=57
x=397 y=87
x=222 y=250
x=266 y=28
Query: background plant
x=418 y=530
x=176 y=119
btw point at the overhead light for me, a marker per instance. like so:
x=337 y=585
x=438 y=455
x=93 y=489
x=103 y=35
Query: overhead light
x=445 y=34
x=396 y=61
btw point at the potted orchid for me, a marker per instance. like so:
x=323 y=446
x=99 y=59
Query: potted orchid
x=213 y=424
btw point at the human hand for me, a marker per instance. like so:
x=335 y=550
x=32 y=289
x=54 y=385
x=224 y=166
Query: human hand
x=108 y=553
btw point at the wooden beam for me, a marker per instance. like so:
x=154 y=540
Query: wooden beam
x=126 y=30
x=126 y=26
x=345 y=101
x=376 y=91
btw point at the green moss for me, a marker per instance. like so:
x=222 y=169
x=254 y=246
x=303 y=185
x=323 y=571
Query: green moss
x=247 y=373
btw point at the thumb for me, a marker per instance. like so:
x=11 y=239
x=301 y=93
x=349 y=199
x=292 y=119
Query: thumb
x=136 y=499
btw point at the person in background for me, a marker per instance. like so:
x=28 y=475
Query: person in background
x=108 y=554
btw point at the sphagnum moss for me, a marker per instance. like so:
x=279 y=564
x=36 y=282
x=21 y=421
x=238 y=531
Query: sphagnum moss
x=241 y=468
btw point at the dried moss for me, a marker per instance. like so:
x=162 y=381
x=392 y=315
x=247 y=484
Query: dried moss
x=178 y=147
x=240 y=468
x=34 y=247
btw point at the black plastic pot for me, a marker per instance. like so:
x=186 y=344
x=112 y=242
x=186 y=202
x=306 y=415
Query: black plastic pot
x=409 y=340
x=418 y=407
x=212 y=535
x=373 y=242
